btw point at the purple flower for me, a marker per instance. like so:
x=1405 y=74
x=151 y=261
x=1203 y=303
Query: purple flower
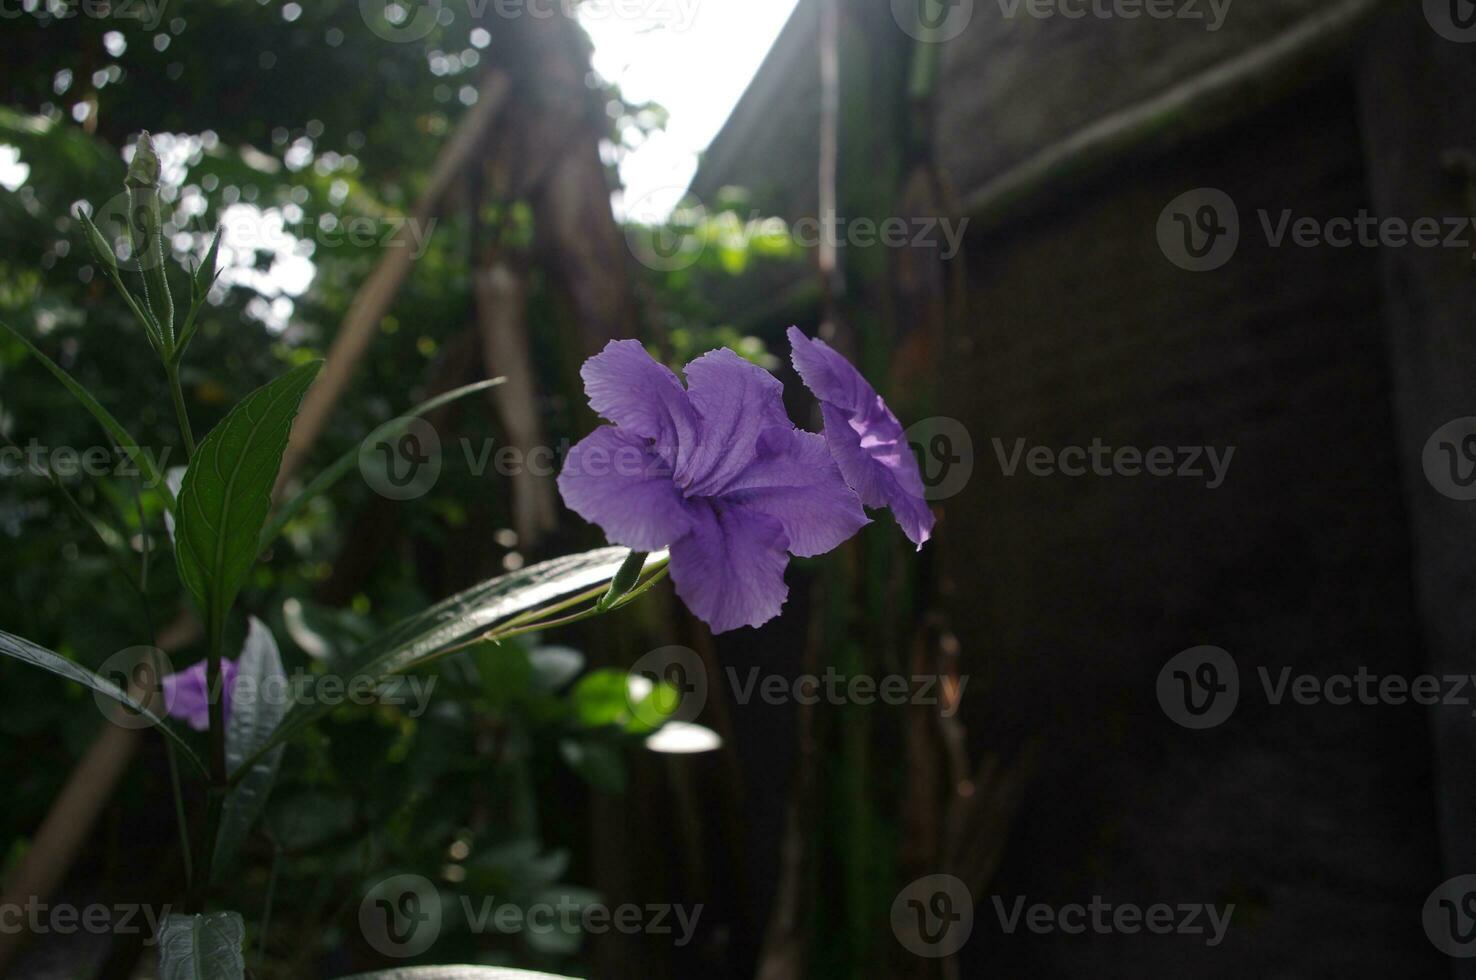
x=715 y=471
x=185 y=693
x=864 y=436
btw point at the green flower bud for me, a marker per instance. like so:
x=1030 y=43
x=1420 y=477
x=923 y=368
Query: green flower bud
x=144 y=170
x=148 y=235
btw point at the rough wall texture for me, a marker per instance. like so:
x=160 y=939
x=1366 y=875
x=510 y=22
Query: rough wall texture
x=1317 y=822
x=1013 y=83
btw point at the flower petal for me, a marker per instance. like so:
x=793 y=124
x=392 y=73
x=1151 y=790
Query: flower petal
x=795 y=481
x=876 y=461
x=185 y=693
x=735 y=401
x=617 y=480
x=864 y=436
x=830 y=376
x=628 y=387
x=730 y=569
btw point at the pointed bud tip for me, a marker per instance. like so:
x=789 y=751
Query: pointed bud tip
x=144 y=170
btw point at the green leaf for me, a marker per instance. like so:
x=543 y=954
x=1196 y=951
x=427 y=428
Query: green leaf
x=602 y=697
x=28 y=652
x=202 y=947
x=120 y=435
x=258 y=702
x=615 y=698
x=227 y=492
x=349 y=460
x=457 y=619
x=454 y=973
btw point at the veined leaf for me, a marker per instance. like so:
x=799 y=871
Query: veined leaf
x=227 y=492
x=105 y=418
x=202 y=947
x=28 y=652
x=258 y=702
x=457 y=619
x=349 y=460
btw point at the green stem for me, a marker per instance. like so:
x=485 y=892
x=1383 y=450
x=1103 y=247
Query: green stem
x=180 y=412
x=179 y=816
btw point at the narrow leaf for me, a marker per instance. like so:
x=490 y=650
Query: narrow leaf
x=346 y=463
x=228 y=490
x=202 y=947
x=258 y=702
x=457 y=619
x=105 y=418
x=28 y=652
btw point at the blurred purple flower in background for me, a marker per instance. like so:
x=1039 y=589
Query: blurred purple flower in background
x=716 y=472
x=185 y=693
x=864 y=436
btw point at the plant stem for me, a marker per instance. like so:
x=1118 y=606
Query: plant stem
x=179 y=409
x=215 y=800
x=215 y=696
x=179 y=816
